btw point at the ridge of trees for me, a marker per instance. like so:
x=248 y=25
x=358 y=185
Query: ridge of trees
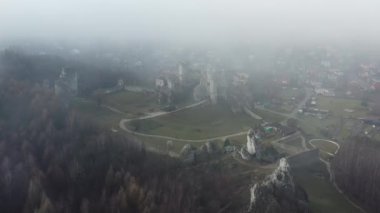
x=51 y=160
x=357 y=171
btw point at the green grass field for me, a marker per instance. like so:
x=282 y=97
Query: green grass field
x=297 y=142
x=323 y=197
x=287 y=94
x=325 y=146
x=99 y=115
x=201 y=122
x=312 y=125
x=269 y=116
x=338 y=105
x=133 y=103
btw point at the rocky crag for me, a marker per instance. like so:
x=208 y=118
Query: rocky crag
x=278 y=193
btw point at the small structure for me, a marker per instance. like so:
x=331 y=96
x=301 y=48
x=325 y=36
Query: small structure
x=324 y=92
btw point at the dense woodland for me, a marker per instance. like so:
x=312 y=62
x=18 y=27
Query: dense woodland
x=51 y=160
x=357 y=171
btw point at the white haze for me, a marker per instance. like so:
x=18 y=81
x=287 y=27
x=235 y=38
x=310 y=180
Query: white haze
x=191 y=20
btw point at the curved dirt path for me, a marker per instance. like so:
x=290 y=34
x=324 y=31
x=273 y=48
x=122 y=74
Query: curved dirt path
x=123 y=126
x=329 y=141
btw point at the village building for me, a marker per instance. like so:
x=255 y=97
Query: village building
x=324 y=92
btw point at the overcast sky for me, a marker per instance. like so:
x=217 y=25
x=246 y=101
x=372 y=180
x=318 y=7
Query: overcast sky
x=193 y=20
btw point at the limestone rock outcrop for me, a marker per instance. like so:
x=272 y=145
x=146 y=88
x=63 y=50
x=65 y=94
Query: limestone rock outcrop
x=278 y=193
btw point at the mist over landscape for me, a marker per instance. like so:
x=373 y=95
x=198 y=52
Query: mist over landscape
x=191 y=21
x=189 y=106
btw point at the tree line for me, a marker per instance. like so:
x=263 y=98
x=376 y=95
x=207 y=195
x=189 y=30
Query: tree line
x=357 y=171
x=52 y=160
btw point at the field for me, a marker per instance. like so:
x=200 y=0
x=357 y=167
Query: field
x=295 y=142
x=269 y=116
x=325 y=146
x=313 y=126
x=201 y=122
x=337 y=106
x=339 y=123
x=287 y=94
x=99 y=115
x=134 y=104
x=213 y=121
x=323 y=197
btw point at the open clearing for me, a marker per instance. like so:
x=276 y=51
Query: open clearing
x=134 y=104
x=287 y=95
x=269 y=116
x=337 y=106
x=205 y=121
x=313 y=126
x=323 y=197
x=325 y=146
x=99 y=115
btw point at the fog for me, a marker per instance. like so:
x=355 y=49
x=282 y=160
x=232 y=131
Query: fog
x=191 y=20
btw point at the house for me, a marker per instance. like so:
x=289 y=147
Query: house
x=324 y=92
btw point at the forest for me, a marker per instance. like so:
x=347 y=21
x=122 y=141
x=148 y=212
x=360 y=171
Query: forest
x=52 y=160
x=357 y=171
